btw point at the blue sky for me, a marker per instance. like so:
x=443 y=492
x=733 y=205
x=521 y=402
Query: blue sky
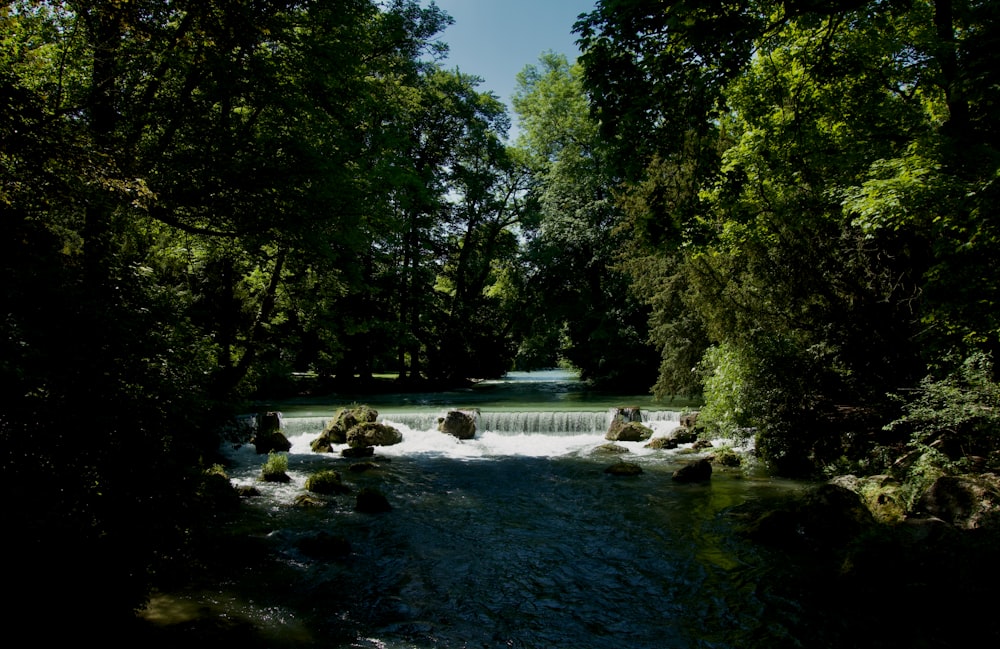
x=495 y=39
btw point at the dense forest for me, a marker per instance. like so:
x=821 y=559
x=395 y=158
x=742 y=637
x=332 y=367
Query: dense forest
x=787 y=209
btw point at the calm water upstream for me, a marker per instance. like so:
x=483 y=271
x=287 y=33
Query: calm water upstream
x=514 y=539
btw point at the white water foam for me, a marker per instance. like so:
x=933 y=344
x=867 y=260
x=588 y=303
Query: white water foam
x=499 y=434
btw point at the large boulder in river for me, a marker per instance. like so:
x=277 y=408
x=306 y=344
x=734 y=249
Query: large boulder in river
x=268 y=422
x=884 y=496
x=610 y=449
x=965 y=501
x=626 y=425
x=687 y=432
x=697 y=471
x=631 y=431
x=459 y=423
x=621 y=418
x=372 y=433
x=273 y=443
x=343 y=421
x=682 y=435
x=268 y=436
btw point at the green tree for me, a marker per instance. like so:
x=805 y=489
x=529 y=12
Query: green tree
x=809 y=188
x=576 y=288
x=453 y=198
x=179 y=180
x=488 y=202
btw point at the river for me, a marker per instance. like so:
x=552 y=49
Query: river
x=517 y=538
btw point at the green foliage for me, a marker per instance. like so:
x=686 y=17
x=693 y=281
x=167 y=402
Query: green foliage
x=275 y=469
x=187 y=190
x=952 y=421
x=725 y=380
x=766 y=389
x=577 y=304
x=810 y=193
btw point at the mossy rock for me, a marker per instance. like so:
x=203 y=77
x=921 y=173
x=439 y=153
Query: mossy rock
x=725 y=456
x=371 y=433
x=683 y=435
x=627 y=469
x=697 y=471
x=662 y=443
x=885 y=498
x=827 y=517
x=459 y=423
x=630 y=431
x=335 y=432
x=248 y=491
x=270 y=443
x=309 y=501
x=965 y=501
x=610 y=449
x=326 y=482
x=216 y=492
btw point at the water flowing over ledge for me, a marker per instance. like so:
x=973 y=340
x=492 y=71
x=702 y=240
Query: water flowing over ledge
x=520 y=433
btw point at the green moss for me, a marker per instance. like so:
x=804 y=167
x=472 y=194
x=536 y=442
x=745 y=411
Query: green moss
x=725 y=456
x=326 y=481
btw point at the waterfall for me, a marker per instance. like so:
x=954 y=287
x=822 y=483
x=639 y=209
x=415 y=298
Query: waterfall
x=535 y=422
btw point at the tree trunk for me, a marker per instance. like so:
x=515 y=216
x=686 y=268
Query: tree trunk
x=105 y=26
x=958 y=106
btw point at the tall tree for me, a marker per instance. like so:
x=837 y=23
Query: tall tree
x=454 y=195
x=179 y=180
x=578 y=294
x=807 y=180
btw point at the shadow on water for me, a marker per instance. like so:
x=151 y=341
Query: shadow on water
x=514 y=539
x=504 y=552
x=518 y=538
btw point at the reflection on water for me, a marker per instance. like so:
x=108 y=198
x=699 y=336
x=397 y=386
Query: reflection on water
x=546 y=389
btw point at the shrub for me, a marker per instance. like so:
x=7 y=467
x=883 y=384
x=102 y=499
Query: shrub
x=953 y=424
x=724 y=388
x=958 y=415
x=276 y=467
x=764 y=385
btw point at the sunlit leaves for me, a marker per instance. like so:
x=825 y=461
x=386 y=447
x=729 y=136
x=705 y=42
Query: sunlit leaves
x=817 y=173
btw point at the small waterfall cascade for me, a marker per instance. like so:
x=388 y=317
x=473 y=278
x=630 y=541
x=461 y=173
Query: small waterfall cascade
x=514 y=422
x=556 y=422
x=544 y=422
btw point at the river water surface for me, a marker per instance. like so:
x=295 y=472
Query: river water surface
x=517 y=538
